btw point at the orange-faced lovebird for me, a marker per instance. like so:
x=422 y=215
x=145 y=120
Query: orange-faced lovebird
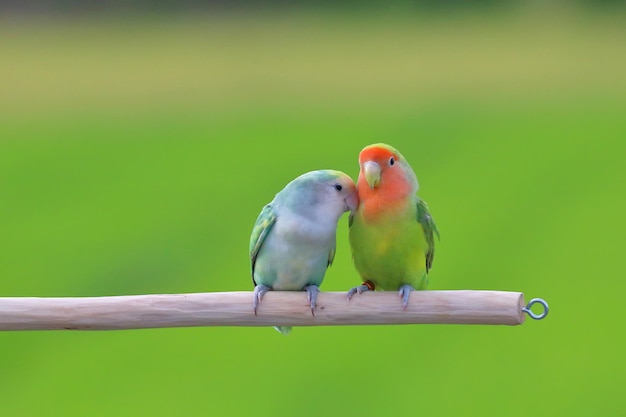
x=392 y=232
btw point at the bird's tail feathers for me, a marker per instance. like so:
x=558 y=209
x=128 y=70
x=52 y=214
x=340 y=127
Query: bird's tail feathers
x=283 y=329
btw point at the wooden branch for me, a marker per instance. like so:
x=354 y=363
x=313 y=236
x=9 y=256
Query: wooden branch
x=277 y=308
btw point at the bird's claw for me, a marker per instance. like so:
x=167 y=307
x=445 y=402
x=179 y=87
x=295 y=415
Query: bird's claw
x=311 y=296
x=404 y=293
x=357 y=290
x=259 y=292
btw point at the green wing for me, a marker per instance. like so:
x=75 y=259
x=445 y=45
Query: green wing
x=261 y=229
x=430 y=230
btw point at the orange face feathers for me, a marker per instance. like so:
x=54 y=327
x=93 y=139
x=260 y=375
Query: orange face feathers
x=385 y=179
x=378 y=153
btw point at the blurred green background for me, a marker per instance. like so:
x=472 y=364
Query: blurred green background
x=136 y=150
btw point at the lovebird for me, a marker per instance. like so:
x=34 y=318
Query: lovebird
x=293 y=240
x=392 y=231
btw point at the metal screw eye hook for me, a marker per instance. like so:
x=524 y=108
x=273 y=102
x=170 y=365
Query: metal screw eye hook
x=528 y=311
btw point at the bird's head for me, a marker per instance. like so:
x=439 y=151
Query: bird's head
x=384 y=171
x=343 y=189
x=322 y=194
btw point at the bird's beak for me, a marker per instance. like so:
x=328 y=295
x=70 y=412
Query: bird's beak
x=352 y=202
x=372 y=173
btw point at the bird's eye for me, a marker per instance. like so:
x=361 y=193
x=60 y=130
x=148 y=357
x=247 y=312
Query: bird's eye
x=391 y=161
x=338 y=187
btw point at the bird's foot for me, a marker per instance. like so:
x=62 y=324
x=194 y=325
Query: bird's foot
x=259 y=292
x=366 y=286
x=311 y=296
x=404 y=293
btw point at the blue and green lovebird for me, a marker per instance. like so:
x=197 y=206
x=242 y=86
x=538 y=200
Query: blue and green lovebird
x=392 y=232
x=293 y=240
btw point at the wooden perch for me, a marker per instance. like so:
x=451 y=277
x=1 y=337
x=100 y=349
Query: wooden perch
x=277 y=308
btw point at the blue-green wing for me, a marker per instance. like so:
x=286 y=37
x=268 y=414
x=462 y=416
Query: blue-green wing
x=261 y=229
x=430 y=230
